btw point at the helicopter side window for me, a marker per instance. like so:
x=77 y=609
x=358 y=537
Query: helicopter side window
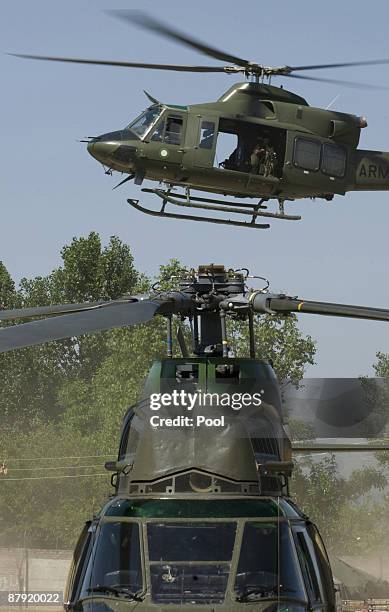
x=78 y=562
x=322 y=560
x=334 y=160
x=207 y=133
x=306 y=154
x=173 y=132
x=308 y=569
x=267 y=564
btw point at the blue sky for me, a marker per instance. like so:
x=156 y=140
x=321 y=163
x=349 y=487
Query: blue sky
x=52 y=190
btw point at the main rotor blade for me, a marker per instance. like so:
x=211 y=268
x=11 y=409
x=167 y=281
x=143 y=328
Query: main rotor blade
x=154 y=25
x=40 y=311
x=117 y=314
x=176 y=67
x=336 y=82
x=340 y=65
x=283 y=304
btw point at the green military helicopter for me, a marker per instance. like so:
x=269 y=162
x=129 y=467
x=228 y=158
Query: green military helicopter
x=280 y=148
x=201 y=518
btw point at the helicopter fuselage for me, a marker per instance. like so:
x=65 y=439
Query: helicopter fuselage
x=314 y=151
x=191 y=525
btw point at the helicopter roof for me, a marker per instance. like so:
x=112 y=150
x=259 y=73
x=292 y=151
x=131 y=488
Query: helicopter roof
x=261 y=91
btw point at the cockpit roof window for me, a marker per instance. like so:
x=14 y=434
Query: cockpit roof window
x=142 y=124
x=188 y=508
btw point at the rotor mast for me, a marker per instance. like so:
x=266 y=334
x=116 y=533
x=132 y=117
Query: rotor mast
x=209 y=287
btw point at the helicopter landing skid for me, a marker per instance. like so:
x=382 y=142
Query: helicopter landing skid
x=162 y=213
x=186 y=201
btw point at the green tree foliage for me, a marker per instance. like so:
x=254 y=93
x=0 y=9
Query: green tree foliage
x=89 y=273
x=376 y=401
x=299 y=430
x=343 y=509
x=278 y=340
x=7 y=288
x=381 y=367
x=55 y=480
x=32 y=376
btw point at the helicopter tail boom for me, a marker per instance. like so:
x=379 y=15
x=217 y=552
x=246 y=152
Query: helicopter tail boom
x=371 y=170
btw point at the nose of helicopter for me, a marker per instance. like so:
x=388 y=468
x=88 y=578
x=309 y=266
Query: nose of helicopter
x=113 y=148
x=102 y=147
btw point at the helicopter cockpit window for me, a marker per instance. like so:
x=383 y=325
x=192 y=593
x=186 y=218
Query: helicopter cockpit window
x=334 y=160
x=268 y=566
x=190 y=562
x=115 y=562
x=158 y=132
x=207 y=133
x=173 y=132
x=307 y=153
x=143 y=123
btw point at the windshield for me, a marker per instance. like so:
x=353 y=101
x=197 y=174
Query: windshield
x=190 y=562
x=267 y=564
x=115 y=563
x=142 y=123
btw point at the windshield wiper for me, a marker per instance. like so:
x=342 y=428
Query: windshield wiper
x=119 y=589
x=263 y=591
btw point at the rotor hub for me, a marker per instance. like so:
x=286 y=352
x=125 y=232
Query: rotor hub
x=213 y=279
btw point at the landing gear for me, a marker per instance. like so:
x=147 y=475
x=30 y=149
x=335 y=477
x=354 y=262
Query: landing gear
x=185 y=200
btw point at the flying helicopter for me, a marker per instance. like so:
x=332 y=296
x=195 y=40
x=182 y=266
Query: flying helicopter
x=201 y=515
x=283 y=149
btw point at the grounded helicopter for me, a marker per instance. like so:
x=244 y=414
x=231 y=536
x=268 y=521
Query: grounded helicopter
x=283 y=148
x=201 y=516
